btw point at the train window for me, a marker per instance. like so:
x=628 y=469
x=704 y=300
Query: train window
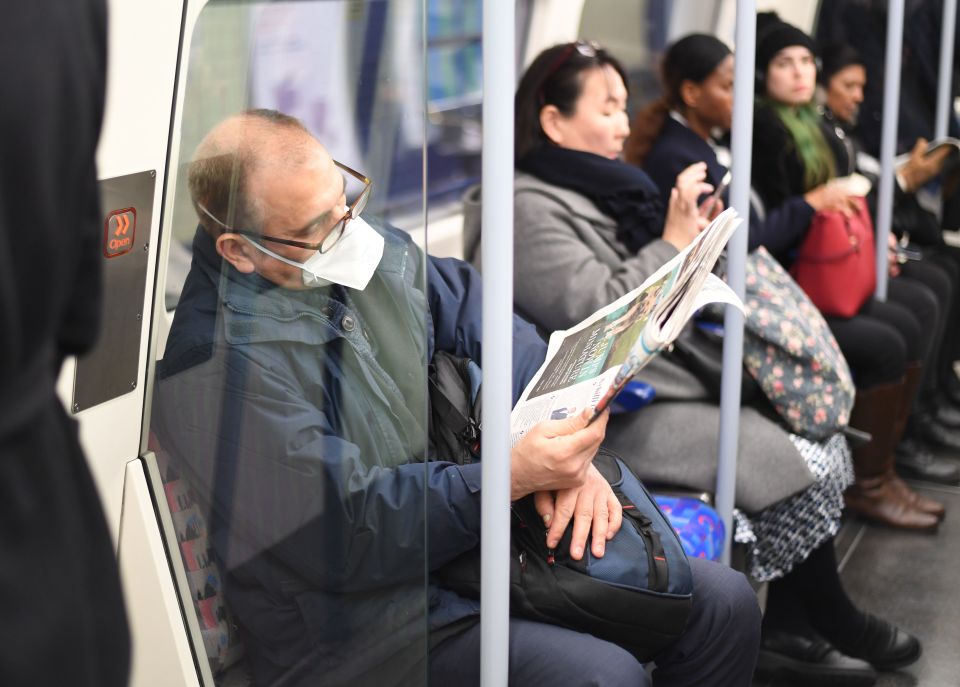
x=366 y=105
x=454 y=89
x=288 y=414
x=635 y=34
x=638 y=34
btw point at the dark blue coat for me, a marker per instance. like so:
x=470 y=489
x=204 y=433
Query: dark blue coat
x=300 y=417
x=780 y=230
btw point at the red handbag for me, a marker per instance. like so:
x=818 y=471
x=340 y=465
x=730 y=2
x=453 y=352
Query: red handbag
x=836 y=264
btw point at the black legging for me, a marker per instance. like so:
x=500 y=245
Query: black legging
x=942 y=287
x=947 y=258
x=878 y=342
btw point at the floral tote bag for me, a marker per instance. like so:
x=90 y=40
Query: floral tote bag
x=792 y=354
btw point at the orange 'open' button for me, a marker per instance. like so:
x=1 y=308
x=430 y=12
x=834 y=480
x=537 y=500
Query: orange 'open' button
x=119 y=231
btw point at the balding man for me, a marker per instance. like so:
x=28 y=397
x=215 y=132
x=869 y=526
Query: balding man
x=293 y=394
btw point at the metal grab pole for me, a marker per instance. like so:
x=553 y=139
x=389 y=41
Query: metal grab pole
x=888 y=138
x=746 y=39
x=944 y=83
x=497 y=359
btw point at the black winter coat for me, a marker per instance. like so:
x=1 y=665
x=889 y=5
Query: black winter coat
x=778 y=228
x=63 y=620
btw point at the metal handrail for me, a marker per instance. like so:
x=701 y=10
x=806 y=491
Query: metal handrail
x=741 y=145
x=497 y=362
x=888 y=138
x=944 y=82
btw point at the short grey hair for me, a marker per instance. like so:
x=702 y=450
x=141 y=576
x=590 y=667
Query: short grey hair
x=218 y=175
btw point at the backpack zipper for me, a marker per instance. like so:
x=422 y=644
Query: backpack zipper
x=657 y=572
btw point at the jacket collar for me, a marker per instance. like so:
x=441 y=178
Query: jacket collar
x=577 y=203
x=253 y=306
x=676 y=127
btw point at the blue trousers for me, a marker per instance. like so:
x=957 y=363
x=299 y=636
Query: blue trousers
x=718 y=648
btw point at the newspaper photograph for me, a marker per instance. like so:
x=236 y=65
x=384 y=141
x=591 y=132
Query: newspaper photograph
x=588 y=364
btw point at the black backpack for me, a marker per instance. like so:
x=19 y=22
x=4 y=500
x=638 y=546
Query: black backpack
x=637 y=596
x=455 y=411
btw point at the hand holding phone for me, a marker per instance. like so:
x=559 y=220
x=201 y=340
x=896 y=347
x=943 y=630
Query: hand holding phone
x=711 y=203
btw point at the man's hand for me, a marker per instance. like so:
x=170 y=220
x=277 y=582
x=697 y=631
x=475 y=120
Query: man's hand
x=684 y=220
x=592 y=506
x=555 y=454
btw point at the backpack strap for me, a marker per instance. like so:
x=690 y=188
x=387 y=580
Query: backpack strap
x=454 y=399
x=466 y=428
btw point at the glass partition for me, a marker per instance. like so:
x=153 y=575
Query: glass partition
x=288 y=416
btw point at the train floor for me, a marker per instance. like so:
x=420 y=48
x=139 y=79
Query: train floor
x=912 y=580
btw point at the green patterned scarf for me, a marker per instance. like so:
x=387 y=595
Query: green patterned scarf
x=803 y=125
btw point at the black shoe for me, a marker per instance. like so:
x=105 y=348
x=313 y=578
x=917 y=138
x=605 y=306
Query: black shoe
x=951 y=388
x=882 y=645
x=803 y=660
x=929 y=430
x=947 y=415
x=914 y=460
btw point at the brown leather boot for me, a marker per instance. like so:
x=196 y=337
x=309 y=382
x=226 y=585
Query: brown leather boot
x=919 y=502
x=874 y=494
x=875 y=498
x=912 y=379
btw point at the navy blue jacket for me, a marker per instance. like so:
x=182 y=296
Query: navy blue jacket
x=780 y=230
x=300 y=418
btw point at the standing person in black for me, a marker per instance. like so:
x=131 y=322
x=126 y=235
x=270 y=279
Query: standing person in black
x=63 y=620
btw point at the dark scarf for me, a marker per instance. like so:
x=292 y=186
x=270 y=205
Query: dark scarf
x=622 y=191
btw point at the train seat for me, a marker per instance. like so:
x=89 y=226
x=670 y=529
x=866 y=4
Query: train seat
x=699 y=526
x=218 y=631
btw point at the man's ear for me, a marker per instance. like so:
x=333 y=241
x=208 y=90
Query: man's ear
x=690 y=93
x=552 y=123
x=235 y=250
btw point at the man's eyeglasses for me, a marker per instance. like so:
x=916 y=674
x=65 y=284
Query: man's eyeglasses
x=585 y=48
x=331 y=239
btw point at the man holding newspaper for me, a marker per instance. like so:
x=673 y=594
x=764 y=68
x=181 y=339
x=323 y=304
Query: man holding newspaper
x=310 y=345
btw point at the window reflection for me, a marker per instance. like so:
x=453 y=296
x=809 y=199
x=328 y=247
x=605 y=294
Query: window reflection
x=278 y=409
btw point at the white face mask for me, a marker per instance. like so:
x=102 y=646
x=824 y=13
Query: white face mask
x=351 y=262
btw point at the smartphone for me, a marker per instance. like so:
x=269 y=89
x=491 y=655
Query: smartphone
x=905 y=254
x=711 y=202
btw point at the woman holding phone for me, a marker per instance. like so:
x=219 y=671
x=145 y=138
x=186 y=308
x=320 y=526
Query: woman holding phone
x=690 y=123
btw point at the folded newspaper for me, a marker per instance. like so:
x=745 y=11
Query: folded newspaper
x=588 y=364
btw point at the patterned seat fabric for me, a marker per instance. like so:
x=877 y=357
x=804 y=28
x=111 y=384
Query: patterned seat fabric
x=699 y=526
x=220 y=633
